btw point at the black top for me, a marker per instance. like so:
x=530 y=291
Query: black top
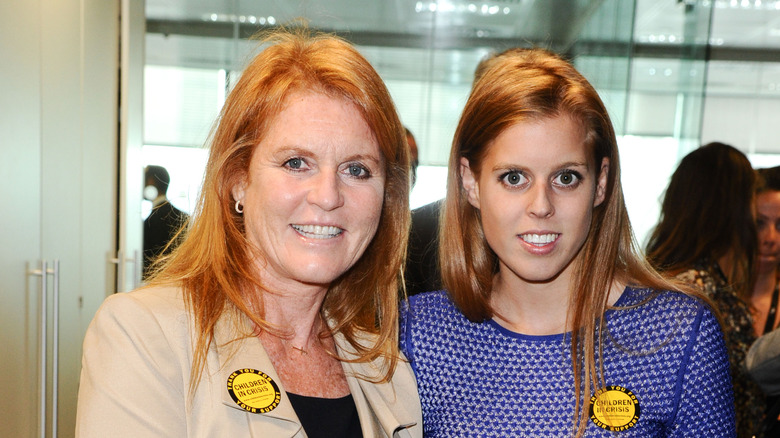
x=327 y=417
x=770 y=318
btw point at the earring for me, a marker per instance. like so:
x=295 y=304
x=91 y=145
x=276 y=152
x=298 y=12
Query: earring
x=239 y=208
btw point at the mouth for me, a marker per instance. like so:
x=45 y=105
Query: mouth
x=771 y=257
x=318 y=231
x=539 y=239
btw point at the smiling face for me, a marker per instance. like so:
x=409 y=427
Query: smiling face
x=536 y=189
x=314 y=191
x=768 y=221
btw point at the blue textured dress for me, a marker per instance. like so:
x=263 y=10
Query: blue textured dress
x=665 y=367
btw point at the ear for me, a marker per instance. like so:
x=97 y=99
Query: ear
x=238 y=190
x=601 y=186
x=469 y=182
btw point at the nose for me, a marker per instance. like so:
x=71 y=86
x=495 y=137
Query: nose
x=325 y=191
x=541 y=205
x=771 y=236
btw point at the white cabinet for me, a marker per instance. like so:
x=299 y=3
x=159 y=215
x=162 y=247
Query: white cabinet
x=59 y=76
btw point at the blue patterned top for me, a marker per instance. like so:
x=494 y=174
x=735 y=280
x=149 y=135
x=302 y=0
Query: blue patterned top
x=665 y=367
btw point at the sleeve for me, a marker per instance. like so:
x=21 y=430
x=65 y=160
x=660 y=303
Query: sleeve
x=705 y=397
x=763 y=362
x=131 y=381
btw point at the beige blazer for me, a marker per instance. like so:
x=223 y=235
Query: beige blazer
x=136 y=373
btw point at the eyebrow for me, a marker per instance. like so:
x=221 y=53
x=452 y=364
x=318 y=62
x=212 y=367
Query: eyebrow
x=297 y=150
x=506 y=165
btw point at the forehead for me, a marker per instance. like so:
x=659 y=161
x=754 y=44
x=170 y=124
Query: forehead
x=768 y=200
x=309 y=118
x=548 y=140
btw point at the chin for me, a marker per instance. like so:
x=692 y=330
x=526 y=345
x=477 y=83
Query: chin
x=317 y=274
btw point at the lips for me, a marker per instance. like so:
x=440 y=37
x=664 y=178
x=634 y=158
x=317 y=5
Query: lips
x=318 y=231
x=539 y=239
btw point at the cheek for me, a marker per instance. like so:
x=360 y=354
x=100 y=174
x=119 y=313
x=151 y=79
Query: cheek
x=366 y=206
x=499 y=218
x=580 y=214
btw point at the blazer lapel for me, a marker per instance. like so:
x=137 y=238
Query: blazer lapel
x=245 y=354
x=385 y=409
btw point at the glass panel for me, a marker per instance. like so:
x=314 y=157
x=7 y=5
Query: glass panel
x=664 y=114
x=426 y=51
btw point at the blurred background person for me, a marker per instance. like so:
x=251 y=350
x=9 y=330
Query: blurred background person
x=763 y=359
x=767 y=286
x=422 y=272
x=164 y=221
x=706 y=237
x=277 y=315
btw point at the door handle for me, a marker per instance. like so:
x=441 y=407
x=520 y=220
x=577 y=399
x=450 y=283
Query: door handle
x=44 y=273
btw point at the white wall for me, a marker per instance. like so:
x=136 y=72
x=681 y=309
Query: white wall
x=58 y=146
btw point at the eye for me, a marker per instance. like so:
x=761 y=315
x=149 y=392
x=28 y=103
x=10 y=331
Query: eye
x=513 y=178
x=296 y=163
x=357 y=170
x=567 y=178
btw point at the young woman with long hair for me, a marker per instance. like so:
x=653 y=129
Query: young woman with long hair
x=551 y=323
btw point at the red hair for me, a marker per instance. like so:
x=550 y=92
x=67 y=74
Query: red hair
x=213 y=263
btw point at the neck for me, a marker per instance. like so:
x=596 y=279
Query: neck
x=766 y=279
x=297 y=318
x=159 y=200
x=726 y=263
x=531 y=308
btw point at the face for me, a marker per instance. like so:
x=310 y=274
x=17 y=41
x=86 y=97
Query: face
x=768 y=220
x=536 y=191
x=313 y=195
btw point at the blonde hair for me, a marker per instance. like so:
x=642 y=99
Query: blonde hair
x=214 y=264
x=520 y=86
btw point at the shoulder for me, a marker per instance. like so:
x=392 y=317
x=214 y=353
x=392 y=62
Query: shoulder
x=146 y=312
x=429 y=210
x=431 y=318
x=696 y=276
x=662 y=299
x=672 y=324
x=429 y=307
x=425 y=219
x=661 y=313
x=159 y=301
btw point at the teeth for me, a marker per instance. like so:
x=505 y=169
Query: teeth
x=318 y=231
x=539 y=239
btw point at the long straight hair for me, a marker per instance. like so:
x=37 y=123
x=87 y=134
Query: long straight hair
x=523 y=86
x=706 y=213
x=214 y=264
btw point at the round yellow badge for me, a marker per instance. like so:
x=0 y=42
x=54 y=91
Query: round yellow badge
x=253 y=390
x=614 y=408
